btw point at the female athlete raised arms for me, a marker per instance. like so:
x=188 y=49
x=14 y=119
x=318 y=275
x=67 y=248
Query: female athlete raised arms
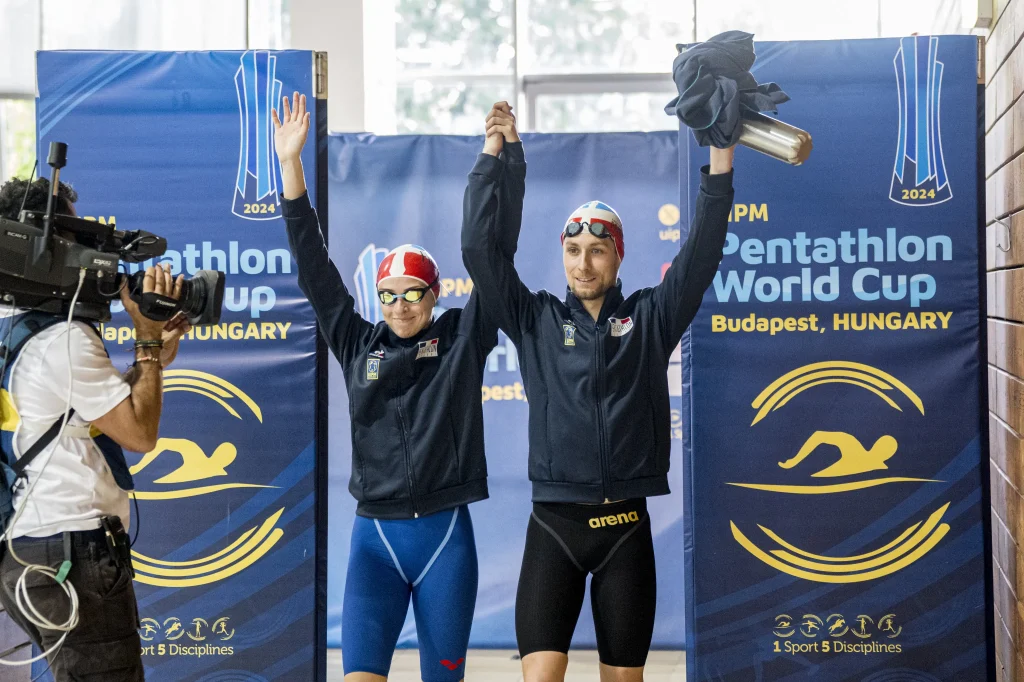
x=413 y=384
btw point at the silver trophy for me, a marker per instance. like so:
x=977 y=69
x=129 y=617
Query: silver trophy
x=776 y=139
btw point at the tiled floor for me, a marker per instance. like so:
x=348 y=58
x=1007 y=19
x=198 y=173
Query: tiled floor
x=488 y=665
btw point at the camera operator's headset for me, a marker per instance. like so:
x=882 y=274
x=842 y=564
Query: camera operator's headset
x=16 y=331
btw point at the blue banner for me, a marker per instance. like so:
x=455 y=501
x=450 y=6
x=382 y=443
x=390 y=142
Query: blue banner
x=181 y=144
x=385 y=191
x=835 y=511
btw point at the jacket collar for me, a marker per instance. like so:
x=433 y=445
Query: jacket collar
x=612 y=300
x=395 y=340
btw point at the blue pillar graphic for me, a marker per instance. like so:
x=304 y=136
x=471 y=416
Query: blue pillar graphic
x=919 y=174
x=366 y=283
x=256 y=187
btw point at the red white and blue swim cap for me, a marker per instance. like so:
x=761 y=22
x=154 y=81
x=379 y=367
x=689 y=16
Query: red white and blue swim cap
x=599 y=213
x=412 y=261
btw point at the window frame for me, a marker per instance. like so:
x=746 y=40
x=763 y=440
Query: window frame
x=528 y=87
x=30 y=94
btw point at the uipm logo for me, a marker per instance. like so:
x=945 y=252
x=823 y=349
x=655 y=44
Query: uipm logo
x=919 y=176
x=258 y=177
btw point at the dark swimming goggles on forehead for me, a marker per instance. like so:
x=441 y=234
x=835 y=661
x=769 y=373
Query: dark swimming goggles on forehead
x=411 y=296
x=599 y=228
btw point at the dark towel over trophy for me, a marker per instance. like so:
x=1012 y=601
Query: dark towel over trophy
x=720 y=101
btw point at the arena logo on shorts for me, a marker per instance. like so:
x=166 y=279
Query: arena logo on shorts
x=614 y=520
x=427 y=349
x=621 y=327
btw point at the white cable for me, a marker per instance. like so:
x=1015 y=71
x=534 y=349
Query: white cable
x=21 y=595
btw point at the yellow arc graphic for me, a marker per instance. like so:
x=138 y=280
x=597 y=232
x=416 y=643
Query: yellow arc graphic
x=893 y=557
x=859 y=382
x=780 y=391
x=193 y=492
x=800 y=383
x=916 y=539
x=902 y=536
x=233 y=557
x=242 y=553
x=220 y=391
x=149 y=560
x=832 y=488
x=199 y=383
x=173 y=387
x=211 y=385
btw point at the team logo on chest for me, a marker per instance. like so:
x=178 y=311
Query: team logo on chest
x=569 y=332
x=620 y=327
x=372 y=369
x=427 y=349
x=379 y=354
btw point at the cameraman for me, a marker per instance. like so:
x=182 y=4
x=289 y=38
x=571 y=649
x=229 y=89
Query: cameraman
x=77 y=508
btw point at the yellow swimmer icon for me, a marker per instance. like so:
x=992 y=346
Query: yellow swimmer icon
x=196 y=464
x=854 y=460
x=212 y=469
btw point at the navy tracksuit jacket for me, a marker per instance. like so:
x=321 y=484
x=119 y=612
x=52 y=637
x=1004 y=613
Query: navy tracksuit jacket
x=415 y=405
x=598 y=391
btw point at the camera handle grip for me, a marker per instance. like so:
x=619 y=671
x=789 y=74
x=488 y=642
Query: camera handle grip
x=156 y=306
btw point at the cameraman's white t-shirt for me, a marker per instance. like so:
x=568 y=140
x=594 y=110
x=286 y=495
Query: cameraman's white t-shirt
x=76 y=487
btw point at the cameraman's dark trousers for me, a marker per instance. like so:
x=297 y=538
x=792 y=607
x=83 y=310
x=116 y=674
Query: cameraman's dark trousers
x=105 y=647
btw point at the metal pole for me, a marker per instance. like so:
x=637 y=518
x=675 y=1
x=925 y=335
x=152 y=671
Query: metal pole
x=695 y=20
x=516 y=85
x=3 y=136
x=524 y=119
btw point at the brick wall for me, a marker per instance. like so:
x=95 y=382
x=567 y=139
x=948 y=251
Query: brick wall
x=1004 y=184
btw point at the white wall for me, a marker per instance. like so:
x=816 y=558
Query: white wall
x=336 y=27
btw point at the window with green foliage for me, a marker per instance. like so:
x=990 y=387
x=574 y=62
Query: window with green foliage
x=449 y=106
x=467 y=36
x=605 y=112
x=452 y=60
x=30 y=25
x=564 y=60
x=17 y=137
x=436 y=66
x=596 y=36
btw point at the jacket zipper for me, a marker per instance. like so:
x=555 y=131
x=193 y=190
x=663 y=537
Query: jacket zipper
x=408 y=459
x=600 y=410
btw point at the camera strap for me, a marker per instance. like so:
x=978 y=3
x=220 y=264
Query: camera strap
x=16 y=331
x=26 y=458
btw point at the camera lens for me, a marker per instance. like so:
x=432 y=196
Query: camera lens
x=202 y=298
